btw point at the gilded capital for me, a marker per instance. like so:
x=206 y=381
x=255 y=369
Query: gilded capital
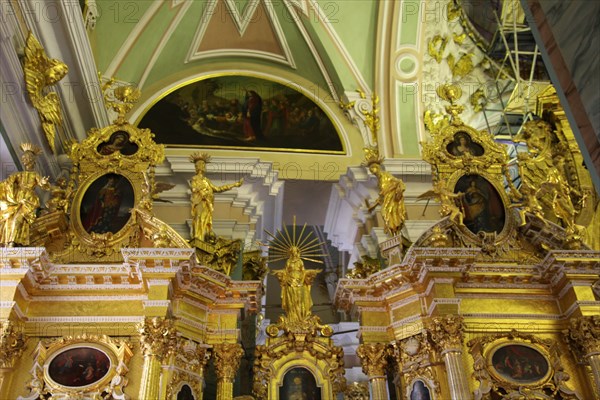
x=157 y=337
x=373 y=357
x=227 y=357
x=583 y=335
x=12 y=342
x=447 y=332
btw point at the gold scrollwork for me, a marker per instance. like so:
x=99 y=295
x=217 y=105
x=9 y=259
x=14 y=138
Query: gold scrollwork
x=515 y=363
x=56 y=359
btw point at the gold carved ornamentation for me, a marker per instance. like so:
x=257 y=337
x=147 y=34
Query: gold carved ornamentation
x=254 y=266
x=12 y=342
x=190 y=359
x=218 y=253
x=40 y=73
x=436 y=47
x=447 y=332
x=469 y=174
x=310 y=351
x=226 y=359
x=415 y=359
x=391 y=193
x=583 y=335
x=44 y=372
x=305 y=341
x=157 y=337
x=357 y=391
x=112 y=167
x=18 y=200
x=373 y=358
x=363 y=269
x=511 y=377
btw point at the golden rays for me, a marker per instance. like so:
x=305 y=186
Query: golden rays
x=282 y=242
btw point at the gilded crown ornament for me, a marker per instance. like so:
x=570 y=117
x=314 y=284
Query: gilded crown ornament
x=32 y=148
x=198 y=156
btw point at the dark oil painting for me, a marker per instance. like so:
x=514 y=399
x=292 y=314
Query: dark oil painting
x=519 y=363
x=117 y=143
x=80 y=366
x=481 y=204
x=185 y=393
x=420 y=391
x=463 y=145
x=299 y=384
x=106 y=204
x=242 y=112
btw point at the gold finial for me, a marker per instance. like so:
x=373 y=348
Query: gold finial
x=372 y=156
x=122 y=100
x=31 y=148
x=451 y=93
x=198 y=156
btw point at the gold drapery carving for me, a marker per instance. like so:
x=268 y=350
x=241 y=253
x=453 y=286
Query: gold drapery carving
x=12 y=342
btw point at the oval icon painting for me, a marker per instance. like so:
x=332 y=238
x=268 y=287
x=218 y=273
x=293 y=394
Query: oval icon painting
x=481 y=204
x=81 y=366
x=519 y=363
x=106 y=204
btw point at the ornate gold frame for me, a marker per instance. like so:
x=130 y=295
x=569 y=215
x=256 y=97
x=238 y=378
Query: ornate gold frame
x=118 y=352
x=290 y=361
x=491 y=350
x=554 y=380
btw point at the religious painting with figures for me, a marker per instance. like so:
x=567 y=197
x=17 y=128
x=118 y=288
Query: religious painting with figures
x=519 y=363
x=463 y=145
x=117 y=143
x=106 y=204
x=241 y=112
x=481 y=204
x=299 y=384
x=80 y=366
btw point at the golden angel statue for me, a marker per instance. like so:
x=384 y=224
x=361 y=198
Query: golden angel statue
x=203 y=198
x=18 y=201
x=447 y=199
x=41 y=72
x=391 y=193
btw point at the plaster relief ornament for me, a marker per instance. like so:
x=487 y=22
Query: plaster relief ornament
x=18 y=201
x=391 y=193
x=296 y=282
x=41 y=72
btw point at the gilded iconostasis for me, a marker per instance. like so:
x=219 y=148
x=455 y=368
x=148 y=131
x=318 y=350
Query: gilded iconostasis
x=293 y=200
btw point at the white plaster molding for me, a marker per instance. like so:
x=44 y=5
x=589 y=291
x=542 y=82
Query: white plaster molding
x=86 y=319
x=71 y=299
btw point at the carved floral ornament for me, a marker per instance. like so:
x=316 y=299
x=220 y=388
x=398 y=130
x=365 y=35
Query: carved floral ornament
x=514 y=363
x=81 y=367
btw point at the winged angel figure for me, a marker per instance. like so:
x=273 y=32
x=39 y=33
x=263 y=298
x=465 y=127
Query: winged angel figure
x=41 y=72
